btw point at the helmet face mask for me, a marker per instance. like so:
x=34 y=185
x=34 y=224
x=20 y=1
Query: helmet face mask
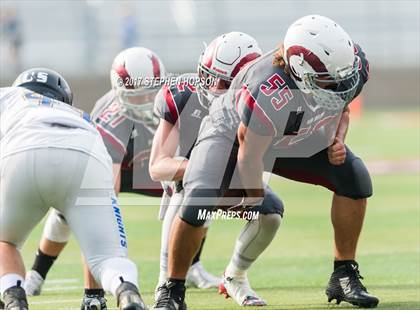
x=332 y=93
x=137 y=104
x=211 y=85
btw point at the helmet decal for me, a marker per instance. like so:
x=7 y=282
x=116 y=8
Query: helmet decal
x=124 y=75
x=244 y=61
x=312 y=59
x=156 y=66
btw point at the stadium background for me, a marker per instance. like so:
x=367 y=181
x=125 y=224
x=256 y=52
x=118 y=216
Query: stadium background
x=80 y=39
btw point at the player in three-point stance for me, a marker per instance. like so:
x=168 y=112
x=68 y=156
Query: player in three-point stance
x=53 y=156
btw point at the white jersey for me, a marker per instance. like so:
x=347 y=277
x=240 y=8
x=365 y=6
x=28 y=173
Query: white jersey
x=29 y=120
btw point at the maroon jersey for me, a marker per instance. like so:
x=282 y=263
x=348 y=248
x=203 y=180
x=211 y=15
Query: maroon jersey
x=128 y=142
x=179 y=105
x=270 y=103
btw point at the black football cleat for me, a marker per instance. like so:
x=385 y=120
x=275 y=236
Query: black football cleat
x=171 y=297
x=345 y=285
x=94 y=302
x=128 y=297
x=15 y=298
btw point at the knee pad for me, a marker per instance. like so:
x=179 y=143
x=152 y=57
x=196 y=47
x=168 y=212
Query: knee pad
x=198 y=205
x=56 y=228
x=271 y=204
x=355 y=181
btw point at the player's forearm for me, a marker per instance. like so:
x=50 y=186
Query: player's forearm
x=168 y=169
x=343 y=126
x=251 y=173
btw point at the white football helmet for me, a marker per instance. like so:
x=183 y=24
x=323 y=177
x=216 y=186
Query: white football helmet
x=322 y=62
x=136 y=77
x=221 y=61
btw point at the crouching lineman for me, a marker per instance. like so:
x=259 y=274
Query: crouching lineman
x=286 y=113
x=52 y=155
x=181 y=108
x=124 y=118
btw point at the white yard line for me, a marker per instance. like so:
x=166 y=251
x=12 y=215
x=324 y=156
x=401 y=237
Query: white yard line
x=62 y=288
x=61 y=281
x=61 y=301
x=65 y=301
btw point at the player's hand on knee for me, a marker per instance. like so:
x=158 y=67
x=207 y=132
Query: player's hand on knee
x=337 y=152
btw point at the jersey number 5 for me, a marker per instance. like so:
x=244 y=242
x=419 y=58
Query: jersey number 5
x=275 y=87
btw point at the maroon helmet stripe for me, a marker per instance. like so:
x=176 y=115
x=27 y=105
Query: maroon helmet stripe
x=309 y=57
x=156 y=66
x=243 y=62
x=256 y=110
x=123 y=74
x=209 y=54
x=170 y=102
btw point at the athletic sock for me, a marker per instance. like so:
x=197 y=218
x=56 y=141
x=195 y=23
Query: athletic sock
x=234 y=271
x=10 y=280
x=95 y=292
x=43 y=263
x=176 y=281
x=339 y=263
x=197 y=256
x=176 y=287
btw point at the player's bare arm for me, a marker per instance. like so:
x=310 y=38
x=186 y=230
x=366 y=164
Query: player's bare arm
x=116 y=172
x=252 y=148
x=163 y=166
x=337 y=151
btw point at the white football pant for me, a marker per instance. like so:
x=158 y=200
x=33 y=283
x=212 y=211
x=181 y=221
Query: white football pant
x=81 y=188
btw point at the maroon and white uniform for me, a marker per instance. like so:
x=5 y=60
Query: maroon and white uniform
x=264 y=98
x=128 y=142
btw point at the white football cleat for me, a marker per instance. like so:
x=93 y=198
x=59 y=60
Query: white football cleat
x=239 y=289
x=33 y=283
x=198 y=277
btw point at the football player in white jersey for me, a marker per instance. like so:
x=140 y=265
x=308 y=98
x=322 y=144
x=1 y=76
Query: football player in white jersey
x=124 y=118
x=127 y=128
x=51 y=155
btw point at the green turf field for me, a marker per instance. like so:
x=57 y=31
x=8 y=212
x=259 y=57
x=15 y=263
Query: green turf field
x=293 y=272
